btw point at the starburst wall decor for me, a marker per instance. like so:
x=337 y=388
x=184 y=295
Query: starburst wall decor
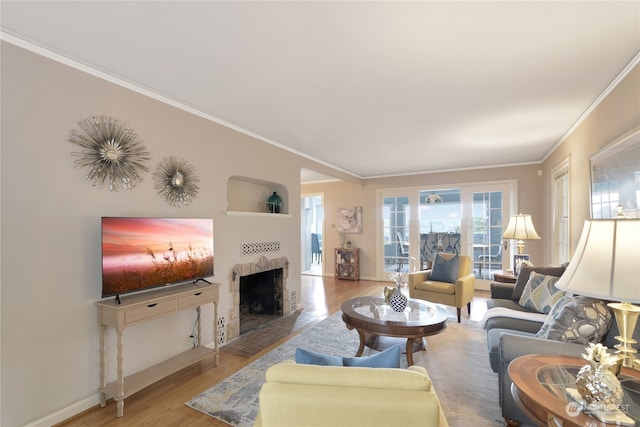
x=113 y=153
x=175 y=180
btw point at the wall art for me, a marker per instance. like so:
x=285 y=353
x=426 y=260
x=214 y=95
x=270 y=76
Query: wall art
x=175 y=180
x=113 y=153
x=349 y=220
x=615 y=179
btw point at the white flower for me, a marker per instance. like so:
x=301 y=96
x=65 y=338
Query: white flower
x=398 y=277
x=597 y=354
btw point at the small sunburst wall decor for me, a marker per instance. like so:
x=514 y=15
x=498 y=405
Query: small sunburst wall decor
x=113 y=153
x=175 y=181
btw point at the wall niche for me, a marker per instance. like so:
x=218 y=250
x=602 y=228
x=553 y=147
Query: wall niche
x=248 y=196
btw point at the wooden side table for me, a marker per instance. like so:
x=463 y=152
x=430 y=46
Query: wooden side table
x=347 y=264
x=503 y=276
x=540 y=383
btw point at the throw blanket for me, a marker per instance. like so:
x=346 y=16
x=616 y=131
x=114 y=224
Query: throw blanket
x=508 y=312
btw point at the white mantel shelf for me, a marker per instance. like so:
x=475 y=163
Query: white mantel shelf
x=260 y=214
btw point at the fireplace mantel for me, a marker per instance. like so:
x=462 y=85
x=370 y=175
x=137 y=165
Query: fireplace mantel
x=239 y=270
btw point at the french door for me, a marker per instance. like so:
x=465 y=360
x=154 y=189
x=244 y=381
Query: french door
x=468 y=219
x=396 y=232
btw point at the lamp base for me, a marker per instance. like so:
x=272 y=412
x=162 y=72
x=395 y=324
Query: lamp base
x=626 y=318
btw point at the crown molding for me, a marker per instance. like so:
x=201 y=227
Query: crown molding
x=614 y=83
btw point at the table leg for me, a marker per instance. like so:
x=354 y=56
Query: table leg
x=409 y=351
x=362 y=341
x=103 y=382
x=120 y=389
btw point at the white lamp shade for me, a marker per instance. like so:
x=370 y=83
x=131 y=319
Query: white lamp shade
x=520 y=227
x=606 y=263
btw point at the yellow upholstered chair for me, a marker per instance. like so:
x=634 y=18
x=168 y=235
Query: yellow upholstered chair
x=457 y=294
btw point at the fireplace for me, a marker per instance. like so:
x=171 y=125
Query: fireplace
x=260 y=299
x=259 y=293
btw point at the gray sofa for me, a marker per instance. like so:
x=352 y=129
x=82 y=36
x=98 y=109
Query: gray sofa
x=509 y=338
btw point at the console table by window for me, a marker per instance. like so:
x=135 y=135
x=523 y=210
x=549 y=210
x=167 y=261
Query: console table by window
x=146 y=306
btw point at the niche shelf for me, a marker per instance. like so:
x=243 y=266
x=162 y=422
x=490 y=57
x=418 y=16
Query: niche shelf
x=246 y=196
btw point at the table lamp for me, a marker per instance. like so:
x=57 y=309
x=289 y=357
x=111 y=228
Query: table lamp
x=521 y=228
x=606 y=265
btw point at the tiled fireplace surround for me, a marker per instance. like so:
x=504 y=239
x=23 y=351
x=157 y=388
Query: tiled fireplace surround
x=240 y=270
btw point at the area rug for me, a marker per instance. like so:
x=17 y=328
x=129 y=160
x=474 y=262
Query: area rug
x=456 y=359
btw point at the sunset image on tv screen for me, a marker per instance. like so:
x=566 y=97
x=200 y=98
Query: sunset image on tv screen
x=139 y=253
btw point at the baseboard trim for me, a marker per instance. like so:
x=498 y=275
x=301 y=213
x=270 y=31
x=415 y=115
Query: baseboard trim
x=68 y=412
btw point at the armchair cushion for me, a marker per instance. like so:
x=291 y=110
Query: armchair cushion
x=540 y=293
x=439 y=287
x=445 y=270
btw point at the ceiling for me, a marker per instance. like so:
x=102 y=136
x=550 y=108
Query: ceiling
x=370 y=88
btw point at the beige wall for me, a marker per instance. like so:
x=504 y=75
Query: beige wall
x=617 y=115
x=50 y=237
x=341 y=194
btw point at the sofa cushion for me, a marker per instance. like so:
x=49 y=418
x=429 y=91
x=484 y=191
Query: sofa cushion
x=498 y=316
x=540 y=293
x=493 y=343
x=445 y=270
x=389 y=358
x=506 y=303
x=525 y=272
x=413 y=378
x=437 y=287
x=580 y=320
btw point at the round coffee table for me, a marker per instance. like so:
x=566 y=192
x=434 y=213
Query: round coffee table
x=372 y=318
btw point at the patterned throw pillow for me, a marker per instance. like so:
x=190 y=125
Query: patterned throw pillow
x=540 y=293
x=583 y=320
x=553 y=315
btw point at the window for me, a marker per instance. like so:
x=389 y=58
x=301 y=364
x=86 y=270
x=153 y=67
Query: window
x=487 y=232
x=561 y=243
x=396 y=214
x=440 y=215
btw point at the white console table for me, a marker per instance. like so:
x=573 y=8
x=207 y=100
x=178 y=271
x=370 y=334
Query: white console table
x=137 y=308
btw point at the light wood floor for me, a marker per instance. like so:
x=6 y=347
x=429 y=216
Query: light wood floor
x=162 y=404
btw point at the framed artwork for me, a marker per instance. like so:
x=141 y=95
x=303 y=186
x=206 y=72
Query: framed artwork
x=349 y=220
x=615 y=178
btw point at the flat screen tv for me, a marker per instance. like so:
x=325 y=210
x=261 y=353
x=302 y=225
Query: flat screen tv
x=144 y=253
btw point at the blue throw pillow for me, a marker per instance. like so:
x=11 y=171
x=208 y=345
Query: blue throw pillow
x=308 y=357
x=445 y=270
x=389 y=358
